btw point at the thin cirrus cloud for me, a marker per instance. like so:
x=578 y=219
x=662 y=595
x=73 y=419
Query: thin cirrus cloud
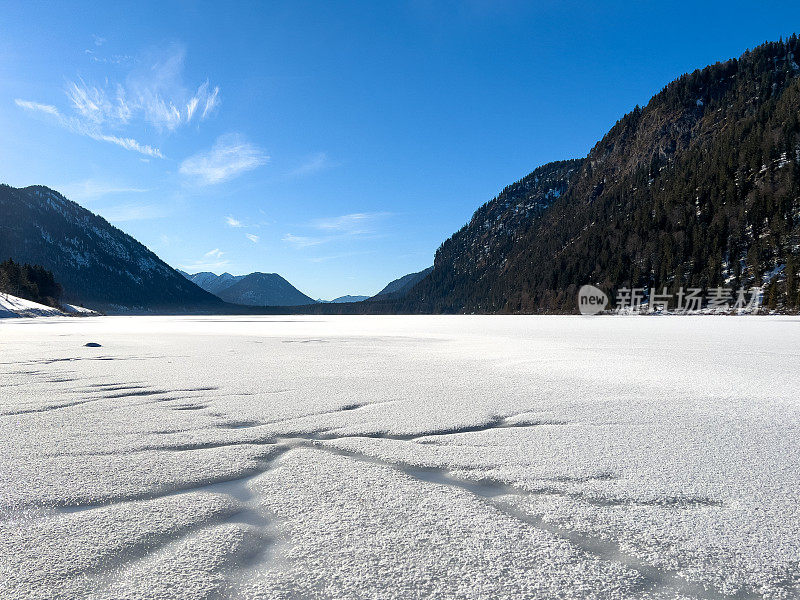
x=314 y=164
x=343 y=227
x=351 y=224
x=232 y=222
x=47 y=109
x=230 y=156
x=90 y=189
x=152 y=94
x=80 y=127
x=301 y=241
x=211 y=261
x=252 y=237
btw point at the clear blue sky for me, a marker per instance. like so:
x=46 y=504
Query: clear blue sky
x=335 y=143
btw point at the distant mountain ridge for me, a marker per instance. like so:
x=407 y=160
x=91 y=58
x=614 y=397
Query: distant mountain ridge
x=343 y=299
x=211 y=282
x=255 y=289
x=98 y=265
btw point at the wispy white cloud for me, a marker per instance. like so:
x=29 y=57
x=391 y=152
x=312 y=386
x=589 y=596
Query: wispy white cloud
x=48 y=109
x=211 y=261
x=350 y=224
x=90 y=189
x=211 y=99
x=252 y=237
x=128 y=144
x=301 y=241
x=203 y=102
x=158 y=93
x=204 y=265
x=95 y=105
x=344 y=227
x=89 y=130
x=152 y=93
x=316 y=163
x=112 y=59
x=232 y=222
x=98 y=40
x=230 y=156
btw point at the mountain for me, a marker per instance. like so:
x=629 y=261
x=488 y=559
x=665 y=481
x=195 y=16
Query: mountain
x=467 y=265
x=98 y=265
x=342 y=299
x=255 y=289
x=211 y=282
x=264 y=289
x=399 y=287
x=699 y=188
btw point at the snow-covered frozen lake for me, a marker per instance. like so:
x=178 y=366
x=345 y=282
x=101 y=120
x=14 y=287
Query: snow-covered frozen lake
x=400 y=457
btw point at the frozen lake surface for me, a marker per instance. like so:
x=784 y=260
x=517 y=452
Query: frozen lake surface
x=400 y=457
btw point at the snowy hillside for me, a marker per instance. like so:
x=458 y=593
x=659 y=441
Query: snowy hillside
x=11 y=307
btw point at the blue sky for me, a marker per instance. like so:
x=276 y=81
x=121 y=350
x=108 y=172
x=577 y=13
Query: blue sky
x=335 y=143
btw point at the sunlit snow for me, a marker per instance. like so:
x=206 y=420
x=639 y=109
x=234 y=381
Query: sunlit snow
x=399 y=457
x=12 y=306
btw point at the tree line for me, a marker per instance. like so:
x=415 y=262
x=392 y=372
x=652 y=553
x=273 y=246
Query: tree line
x=31 y=282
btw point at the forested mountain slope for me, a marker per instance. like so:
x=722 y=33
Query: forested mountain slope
x=701 y=187
x=399 y=287
x=98 y=265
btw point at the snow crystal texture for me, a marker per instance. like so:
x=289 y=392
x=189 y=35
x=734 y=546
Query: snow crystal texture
x=399 y=457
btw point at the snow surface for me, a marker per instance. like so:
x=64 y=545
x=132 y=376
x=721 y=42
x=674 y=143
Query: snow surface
x=400 y=457
x=78 y=310
x=12 y=306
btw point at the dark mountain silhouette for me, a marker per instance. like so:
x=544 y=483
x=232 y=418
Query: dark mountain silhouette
x=98 y=265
